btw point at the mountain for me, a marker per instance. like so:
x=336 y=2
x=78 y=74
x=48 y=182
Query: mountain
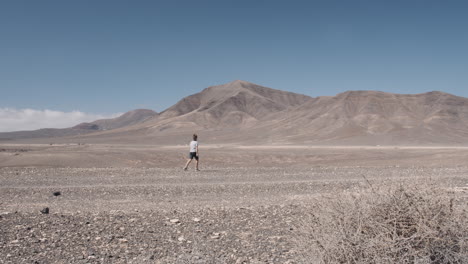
x=243 y=96
x=235 y=104
x=245 y=113
x=372 y=117
x=127 y=119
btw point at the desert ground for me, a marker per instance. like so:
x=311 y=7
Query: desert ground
x=135 y=204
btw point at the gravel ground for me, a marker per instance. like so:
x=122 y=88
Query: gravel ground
x=166 y=215
x=242 y=235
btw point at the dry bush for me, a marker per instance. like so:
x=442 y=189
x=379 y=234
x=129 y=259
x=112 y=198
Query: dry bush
x=396 y=223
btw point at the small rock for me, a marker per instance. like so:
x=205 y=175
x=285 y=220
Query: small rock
x=45 y=210
x=215 y=236
x=14 y=242
x=240 y=261
x=123 y=240
x=174 y=221
x=181 y=239
x=196 y=219
x=56 y=193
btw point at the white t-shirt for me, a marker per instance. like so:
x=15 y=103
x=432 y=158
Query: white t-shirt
x=193 y=146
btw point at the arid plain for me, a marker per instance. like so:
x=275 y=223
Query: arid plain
x=360 y=177
x=135 y=204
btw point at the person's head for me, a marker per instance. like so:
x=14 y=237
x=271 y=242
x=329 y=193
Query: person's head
x=195 y=137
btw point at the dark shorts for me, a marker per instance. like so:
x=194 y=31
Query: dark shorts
x=193 y=155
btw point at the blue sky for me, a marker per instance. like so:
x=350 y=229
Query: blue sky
x=106 y=57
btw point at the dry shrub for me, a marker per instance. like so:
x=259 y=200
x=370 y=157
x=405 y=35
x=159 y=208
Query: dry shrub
x=396 y=223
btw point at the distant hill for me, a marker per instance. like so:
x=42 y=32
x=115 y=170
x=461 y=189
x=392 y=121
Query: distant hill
x=127 y=119
x=246 y=113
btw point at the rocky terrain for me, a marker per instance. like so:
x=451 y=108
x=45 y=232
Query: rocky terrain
x=246 y=205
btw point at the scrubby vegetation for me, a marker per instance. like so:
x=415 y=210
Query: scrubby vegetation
x=396 y=223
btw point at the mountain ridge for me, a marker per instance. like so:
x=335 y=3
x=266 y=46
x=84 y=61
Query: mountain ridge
x=129 y=118
x=245 y=113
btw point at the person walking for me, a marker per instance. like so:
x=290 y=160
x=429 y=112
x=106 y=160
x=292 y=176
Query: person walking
x=193 y=153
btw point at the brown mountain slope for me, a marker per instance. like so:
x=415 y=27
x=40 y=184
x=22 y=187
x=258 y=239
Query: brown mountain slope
x=371 y=117
x=238 y=95
x=231 y=107
x=238 y=104
x=245 y=113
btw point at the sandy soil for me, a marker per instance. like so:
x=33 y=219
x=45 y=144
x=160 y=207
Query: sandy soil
x=134 y=204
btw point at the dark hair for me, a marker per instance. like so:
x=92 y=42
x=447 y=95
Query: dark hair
x=195 y=137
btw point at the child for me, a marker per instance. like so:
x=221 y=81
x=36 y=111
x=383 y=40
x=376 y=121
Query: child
x=193 y=152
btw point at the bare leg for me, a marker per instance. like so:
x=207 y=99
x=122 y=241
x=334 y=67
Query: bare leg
x=186 y=165
x=196 y=163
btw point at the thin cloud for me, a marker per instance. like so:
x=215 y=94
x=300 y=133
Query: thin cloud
x=30 y=119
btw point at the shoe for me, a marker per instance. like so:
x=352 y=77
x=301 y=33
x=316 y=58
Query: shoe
x=185 y=169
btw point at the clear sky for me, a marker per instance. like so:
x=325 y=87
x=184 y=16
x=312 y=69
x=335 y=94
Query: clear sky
x=105 y=57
